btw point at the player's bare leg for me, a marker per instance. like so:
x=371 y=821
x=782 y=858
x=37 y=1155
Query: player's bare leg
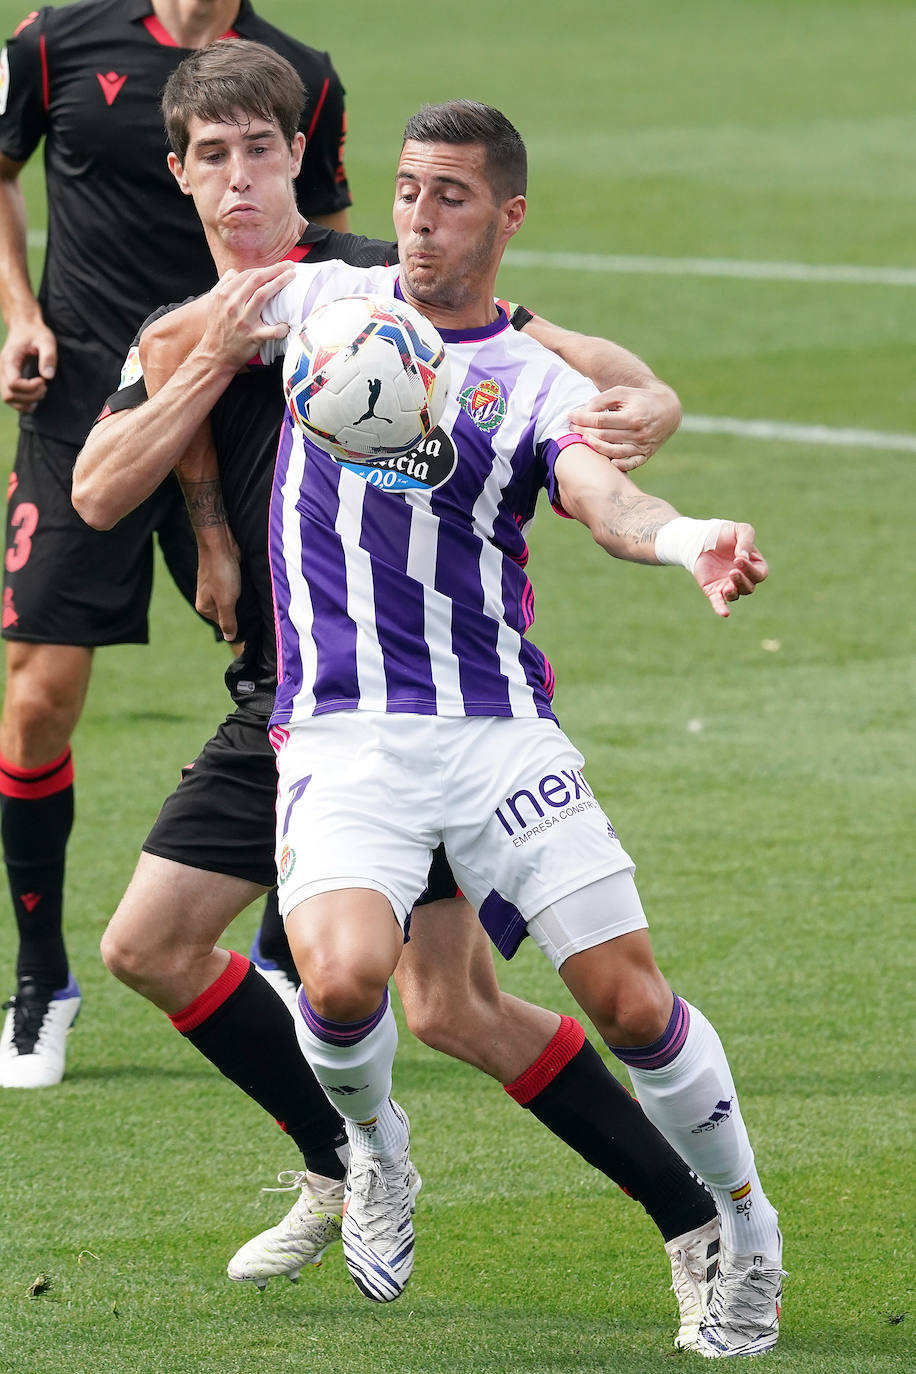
x=453 y=1002
x=162 y=939
x=46 y=686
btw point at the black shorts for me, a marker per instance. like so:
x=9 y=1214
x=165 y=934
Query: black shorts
x=64 y=583
x=222 y=816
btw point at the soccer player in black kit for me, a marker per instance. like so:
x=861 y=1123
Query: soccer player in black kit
x=211 y=850
x=87 y=78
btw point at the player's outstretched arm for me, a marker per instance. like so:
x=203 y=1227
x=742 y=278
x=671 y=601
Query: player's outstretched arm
x=629 y=524
x=634 y=412
x=30 y=345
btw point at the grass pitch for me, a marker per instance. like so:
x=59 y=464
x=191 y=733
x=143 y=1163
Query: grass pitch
x=760 y=771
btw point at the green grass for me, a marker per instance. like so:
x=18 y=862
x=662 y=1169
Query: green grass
x=760 y=771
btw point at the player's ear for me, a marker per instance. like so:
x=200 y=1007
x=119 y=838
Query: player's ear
x=514 y=211
x=177 y=170
x=297 y=149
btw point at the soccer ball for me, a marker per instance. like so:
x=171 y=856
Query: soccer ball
x=366 y=378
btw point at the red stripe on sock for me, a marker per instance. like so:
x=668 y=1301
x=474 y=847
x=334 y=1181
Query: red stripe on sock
x=31 y=784
x=212 y=997
x=564 y=1046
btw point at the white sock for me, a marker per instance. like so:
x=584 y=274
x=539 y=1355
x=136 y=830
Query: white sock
x=352 y=1064
x=385 y=1135
x=693 y=1102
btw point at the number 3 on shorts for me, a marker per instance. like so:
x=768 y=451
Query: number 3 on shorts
x=24 y=521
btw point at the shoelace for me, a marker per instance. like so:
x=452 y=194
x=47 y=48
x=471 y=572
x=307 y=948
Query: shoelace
x=741 y=1305
x=373 y=1205
x=687 y=1286
x=28 y=1018
x=289 y=1180
x=318 y=1202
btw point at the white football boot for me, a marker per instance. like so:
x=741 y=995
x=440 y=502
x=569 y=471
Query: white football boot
x=310 y=1226
x=33 y=1047
x=377 y=1230
x=744 y=1308
x=694 y=1261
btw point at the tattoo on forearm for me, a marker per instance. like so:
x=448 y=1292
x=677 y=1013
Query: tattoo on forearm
x=635 y=519
x=205 y=503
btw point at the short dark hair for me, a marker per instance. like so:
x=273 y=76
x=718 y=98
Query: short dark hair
x=467 y=121
x=229 y=76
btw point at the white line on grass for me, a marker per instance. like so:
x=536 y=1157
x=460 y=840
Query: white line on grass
x=686 y=267
x=798 y=434
x=714 y=267
x=728 y=267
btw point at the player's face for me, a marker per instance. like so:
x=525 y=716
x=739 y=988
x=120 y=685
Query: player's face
x=241 y=178
x=451 y=234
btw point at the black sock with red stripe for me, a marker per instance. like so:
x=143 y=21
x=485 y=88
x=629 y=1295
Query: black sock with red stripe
x=243 y=1027
x=36 y=817
x=570 y=1090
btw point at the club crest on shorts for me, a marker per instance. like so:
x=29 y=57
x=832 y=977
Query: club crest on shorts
x=485 y=403
x=286 y=862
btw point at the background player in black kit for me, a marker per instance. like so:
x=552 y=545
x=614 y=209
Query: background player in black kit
x=211 y=850
x=87 y=78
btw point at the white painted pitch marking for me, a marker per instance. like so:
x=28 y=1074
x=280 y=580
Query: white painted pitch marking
x=728 y=267
x=847 y=274
x=798 y=434
x=686 y=267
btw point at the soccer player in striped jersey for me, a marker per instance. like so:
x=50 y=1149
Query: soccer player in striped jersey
x=412 y=709
x=212 y=848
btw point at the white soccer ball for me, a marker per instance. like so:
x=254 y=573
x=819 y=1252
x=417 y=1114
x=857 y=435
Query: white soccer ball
x=366 y=377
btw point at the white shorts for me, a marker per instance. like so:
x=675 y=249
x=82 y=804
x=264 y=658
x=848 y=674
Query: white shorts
x=365 y=797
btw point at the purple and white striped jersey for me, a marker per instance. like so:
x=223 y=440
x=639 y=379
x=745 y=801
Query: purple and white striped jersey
x=402 y=586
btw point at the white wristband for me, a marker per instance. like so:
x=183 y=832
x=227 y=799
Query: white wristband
x=682 y=540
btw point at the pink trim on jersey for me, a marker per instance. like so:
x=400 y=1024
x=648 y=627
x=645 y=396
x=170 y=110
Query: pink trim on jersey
x=278 y=736
x=45 y=82
x=561 y=444
x=213 y=997
x=29 y=19
x=156 y=29
x=569 y=439
x=321 y=100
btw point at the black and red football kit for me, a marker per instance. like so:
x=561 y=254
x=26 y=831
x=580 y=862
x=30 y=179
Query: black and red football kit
x=221 y=818
x=88 y=78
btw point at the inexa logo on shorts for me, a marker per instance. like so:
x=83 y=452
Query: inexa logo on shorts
x=557 y=797
x=427 y=466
